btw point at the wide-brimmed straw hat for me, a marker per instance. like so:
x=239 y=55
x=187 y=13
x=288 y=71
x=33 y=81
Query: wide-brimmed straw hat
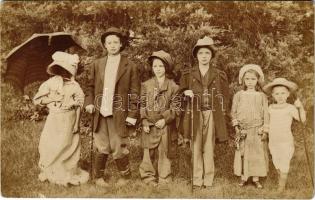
x=254 y=67
x=65 y=60
x=115 y=31
x=206 y=42
x=280 y=82
x=164 y=56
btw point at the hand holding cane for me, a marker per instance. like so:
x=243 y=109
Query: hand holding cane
x=302 y=118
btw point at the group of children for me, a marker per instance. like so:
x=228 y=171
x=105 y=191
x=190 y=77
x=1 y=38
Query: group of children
x=113 y=94
x=254 y=122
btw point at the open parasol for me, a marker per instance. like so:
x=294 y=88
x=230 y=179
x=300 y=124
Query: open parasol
x=27 y=62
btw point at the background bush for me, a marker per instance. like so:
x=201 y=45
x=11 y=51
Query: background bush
x=278 y=36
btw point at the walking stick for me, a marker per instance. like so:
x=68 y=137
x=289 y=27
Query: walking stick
x=305 y=149
x=192 y=143
x=91 y=147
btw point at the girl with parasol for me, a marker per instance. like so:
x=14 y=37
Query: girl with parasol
x=59 y=145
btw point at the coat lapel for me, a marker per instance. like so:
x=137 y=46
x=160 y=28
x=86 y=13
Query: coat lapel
x=196 y=74
x=121 y=68
x=212 y=75
x=102 y=66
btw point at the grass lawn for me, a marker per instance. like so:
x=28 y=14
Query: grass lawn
x=19 y=170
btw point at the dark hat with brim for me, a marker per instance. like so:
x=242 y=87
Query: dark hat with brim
x=117 y=32
x=205 y=42
x=164 y=56
x=280 y=82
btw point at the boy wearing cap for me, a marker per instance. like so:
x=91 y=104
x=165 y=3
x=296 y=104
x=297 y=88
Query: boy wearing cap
x=157 y=117
x=281 y=142
x=208 y=86
x=112 y=96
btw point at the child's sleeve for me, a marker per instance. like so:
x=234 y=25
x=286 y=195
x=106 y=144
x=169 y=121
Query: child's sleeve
x=224 y=87
x=266 y=113
x=183 y=82
x=134 y=90
x=143 y=104
x=294 y=113
x=43 y=91
x=170 y=114
x=90 y=85
x=79 y=96
x=235 y=103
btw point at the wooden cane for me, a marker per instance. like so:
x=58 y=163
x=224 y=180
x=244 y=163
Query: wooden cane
x=192 y=143
x=305 y=149
x=304 y=142
x=91 y=147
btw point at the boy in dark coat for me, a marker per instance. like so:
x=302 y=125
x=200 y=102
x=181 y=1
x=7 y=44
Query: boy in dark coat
x=157 y=118
x=112 y=96
x=208 y=87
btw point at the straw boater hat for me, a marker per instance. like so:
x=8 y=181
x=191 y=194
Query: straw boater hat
x=206 y=42
x=254 y=67
x=115 y=31
x=164 y=56
x=280 y=82
x=65 y=60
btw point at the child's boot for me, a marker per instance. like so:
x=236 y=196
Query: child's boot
x=242 y=182
x=123 y=167
x=100 y=162
x=256 y=182
x=282 y=181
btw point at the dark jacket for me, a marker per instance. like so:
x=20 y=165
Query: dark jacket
x=127 y=90
x=156 y=104
x=218 y=88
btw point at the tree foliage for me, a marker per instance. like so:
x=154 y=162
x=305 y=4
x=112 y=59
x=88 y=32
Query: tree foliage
x=278 y=36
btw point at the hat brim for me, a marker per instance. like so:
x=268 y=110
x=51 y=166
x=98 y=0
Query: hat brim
x=288 y=84
x=122 y=38
x=197 y=47
x=52 y=69
x=244 y=70
x=167 y=62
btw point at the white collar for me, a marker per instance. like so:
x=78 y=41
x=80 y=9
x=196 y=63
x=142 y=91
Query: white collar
x=117 y=56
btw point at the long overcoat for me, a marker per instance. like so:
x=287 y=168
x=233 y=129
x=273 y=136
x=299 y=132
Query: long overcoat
x=218 y=90
x=126 y=96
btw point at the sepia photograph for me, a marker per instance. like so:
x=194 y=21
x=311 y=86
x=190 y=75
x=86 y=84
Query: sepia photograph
x=157 y=99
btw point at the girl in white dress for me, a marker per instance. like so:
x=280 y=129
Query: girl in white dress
x=281 y=143
x=59 y=145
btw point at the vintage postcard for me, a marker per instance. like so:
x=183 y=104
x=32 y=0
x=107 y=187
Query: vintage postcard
x=157 y=99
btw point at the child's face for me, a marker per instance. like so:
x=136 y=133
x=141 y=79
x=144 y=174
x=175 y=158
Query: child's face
x=158 y=68
x=250 y=80
x=280 y=94
x=112 y=44
x=58 y=70
x=204 y=56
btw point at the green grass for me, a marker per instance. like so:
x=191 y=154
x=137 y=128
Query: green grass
x=19 y=170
